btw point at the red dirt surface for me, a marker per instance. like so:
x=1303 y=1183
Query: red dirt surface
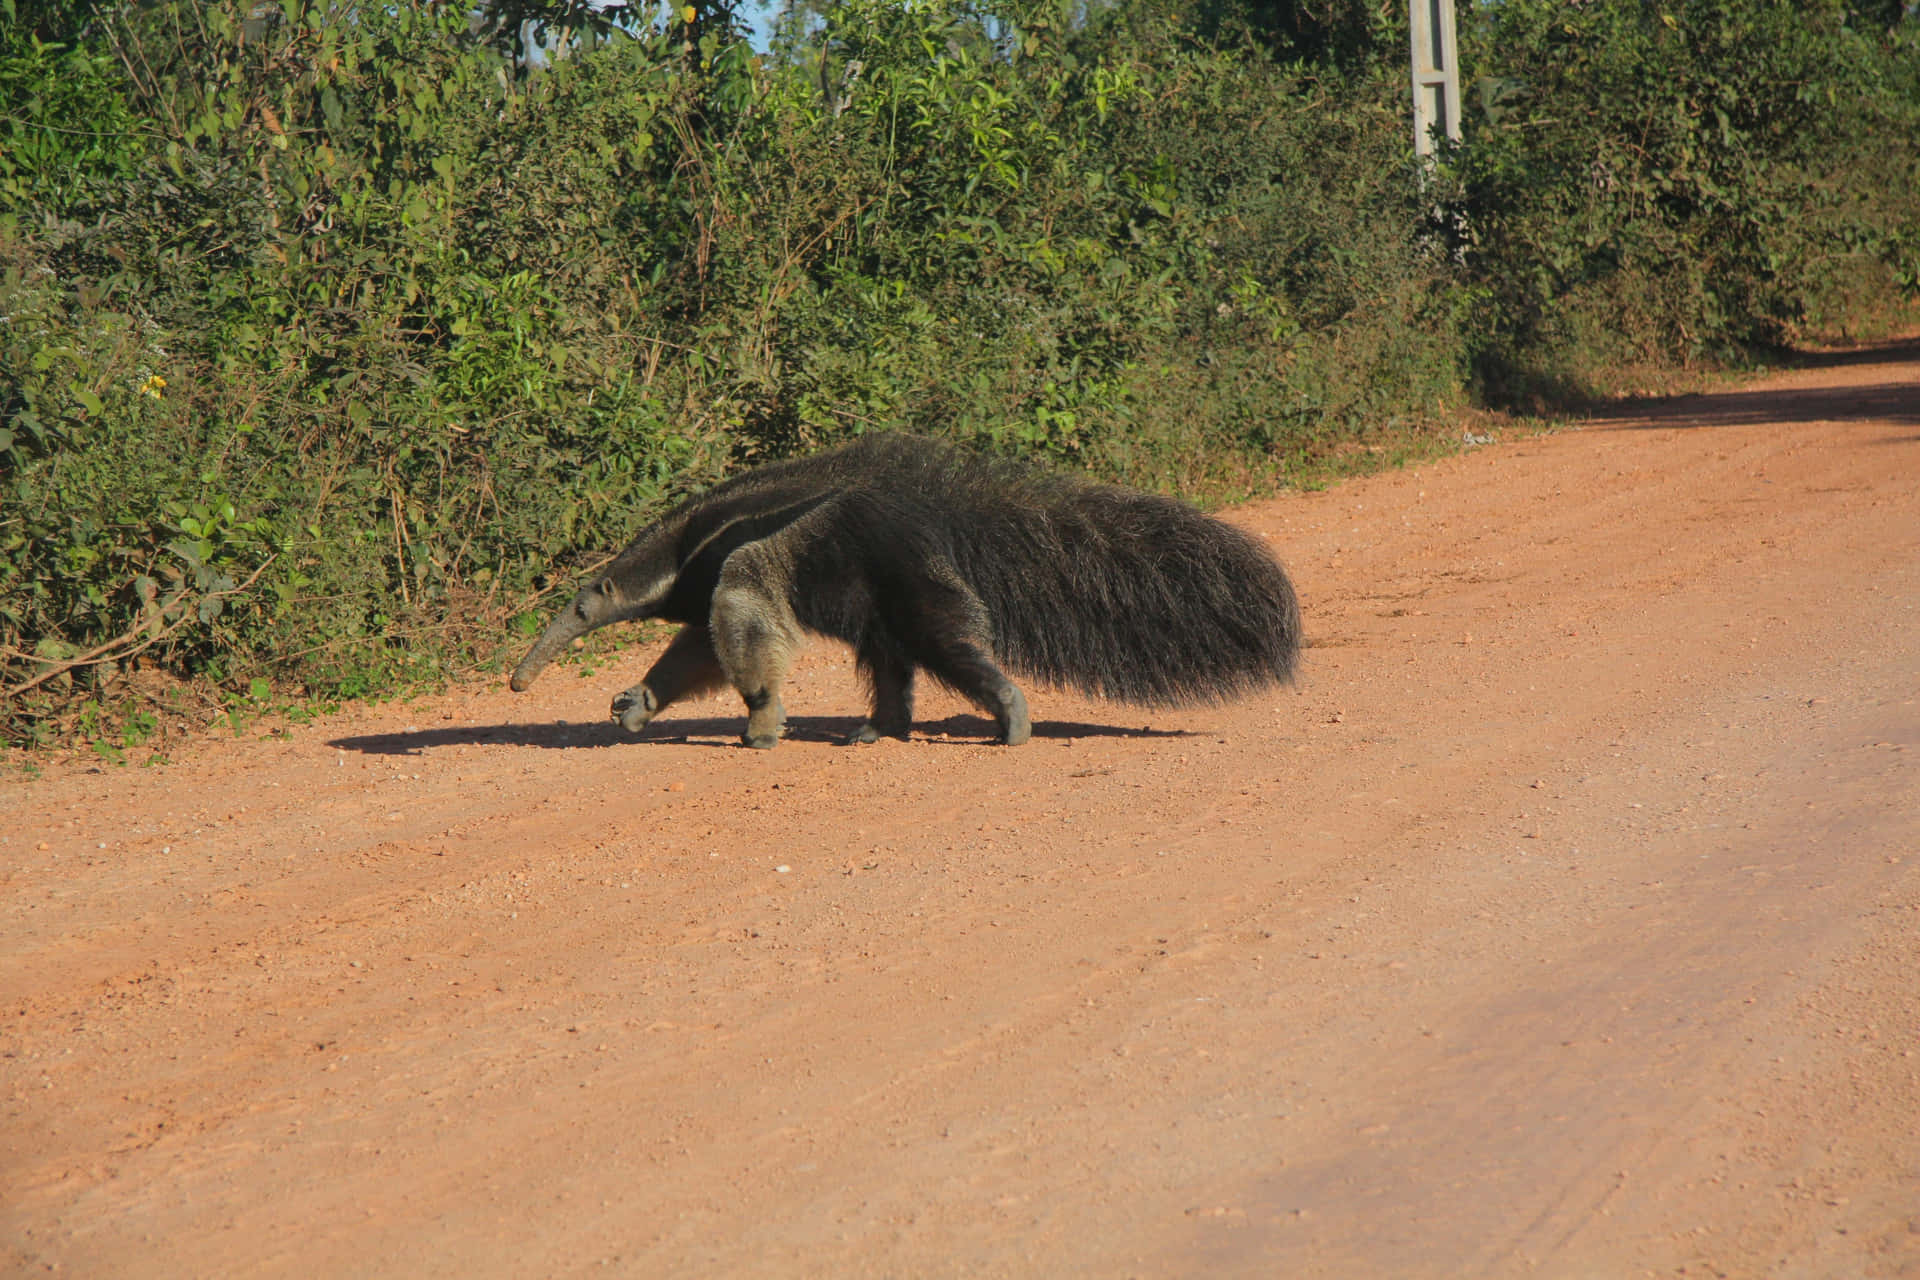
x=1563 y=920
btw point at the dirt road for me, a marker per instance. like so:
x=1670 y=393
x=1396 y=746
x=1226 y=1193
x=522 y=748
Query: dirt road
x=1564 y=920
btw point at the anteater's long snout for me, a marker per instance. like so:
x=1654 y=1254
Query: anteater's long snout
x=559 y=634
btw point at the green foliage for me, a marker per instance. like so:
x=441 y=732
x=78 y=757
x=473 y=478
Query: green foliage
x=66 y=128
x=332 y=337
x=1642 y=182
x=1349 y=34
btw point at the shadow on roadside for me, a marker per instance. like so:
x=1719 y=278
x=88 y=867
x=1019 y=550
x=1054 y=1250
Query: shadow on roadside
x=711 y=731
x=1895 y=351
x=1893 y=402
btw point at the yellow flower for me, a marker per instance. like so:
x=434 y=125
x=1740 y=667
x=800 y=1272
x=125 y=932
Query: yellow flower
x=153 y=386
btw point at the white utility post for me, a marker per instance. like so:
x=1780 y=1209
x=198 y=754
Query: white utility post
x=1436 y=74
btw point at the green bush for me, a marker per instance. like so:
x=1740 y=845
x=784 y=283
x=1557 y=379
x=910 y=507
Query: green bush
x=1643 y=183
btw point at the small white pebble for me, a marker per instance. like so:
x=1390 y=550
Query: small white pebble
x=783 y=869
x=166 y=848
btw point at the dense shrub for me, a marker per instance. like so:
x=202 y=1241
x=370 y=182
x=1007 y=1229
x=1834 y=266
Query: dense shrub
x=330 y=336
x=1644 y=183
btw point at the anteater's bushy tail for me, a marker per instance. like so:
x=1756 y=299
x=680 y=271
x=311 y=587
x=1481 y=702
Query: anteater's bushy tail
x=1116 y=593
x=1143 y=599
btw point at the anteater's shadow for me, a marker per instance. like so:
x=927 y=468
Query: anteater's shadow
x=710 y=731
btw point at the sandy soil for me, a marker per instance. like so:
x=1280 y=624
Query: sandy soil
x=1563 y=921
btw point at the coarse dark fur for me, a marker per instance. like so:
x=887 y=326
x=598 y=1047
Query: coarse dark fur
x=922 y=555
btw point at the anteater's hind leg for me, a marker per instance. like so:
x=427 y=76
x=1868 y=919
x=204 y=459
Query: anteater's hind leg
x=954 y=640
x=755 y=634
x=687 y=669
x=889 y=673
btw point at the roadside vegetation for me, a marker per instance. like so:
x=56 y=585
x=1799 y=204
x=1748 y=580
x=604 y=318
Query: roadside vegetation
x=332 y=336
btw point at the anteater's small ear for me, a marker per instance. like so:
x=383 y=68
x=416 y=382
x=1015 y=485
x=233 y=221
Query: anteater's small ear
x=604 y=587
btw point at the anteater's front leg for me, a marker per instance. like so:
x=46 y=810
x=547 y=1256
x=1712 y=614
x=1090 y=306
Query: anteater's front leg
x=756 y=636
x=687 y=669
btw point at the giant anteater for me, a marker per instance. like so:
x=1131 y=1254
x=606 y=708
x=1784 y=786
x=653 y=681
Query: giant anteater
x=919 y=554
